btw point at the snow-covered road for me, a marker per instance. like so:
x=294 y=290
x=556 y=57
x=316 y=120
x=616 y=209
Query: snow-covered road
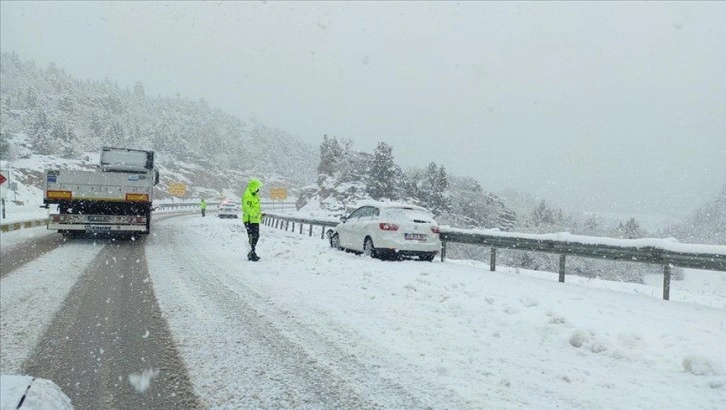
x=311 y=327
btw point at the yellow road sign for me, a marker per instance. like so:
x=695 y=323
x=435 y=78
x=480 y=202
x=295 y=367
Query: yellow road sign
x=177 y=189
x=278 y=193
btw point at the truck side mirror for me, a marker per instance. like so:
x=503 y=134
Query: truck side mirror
x=156 y=177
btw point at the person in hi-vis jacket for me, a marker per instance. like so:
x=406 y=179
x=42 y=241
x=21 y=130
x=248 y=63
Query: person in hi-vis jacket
x=252 y=215
x=203 y=207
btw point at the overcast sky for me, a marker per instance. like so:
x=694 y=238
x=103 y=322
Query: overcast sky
x=615 y=106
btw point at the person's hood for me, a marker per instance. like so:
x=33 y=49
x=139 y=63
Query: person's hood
x=254 y=184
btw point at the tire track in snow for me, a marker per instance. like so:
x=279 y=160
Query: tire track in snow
x=15 y=257
x=32 y=294
x=108 y=347
x=243 y=352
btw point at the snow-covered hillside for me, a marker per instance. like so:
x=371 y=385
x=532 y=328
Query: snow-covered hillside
x=211 y=150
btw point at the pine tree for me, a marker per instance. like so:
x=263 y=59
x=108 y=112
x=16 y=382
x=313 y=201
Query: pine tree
x=432 y=191
x=591 y=226
x=115 y=135
x=632 y=230
x=542 y=214
x=381 y=179
x=4 y=145
x=40 y=133
x=139 y=95
x=31 y=99
x=330 y=155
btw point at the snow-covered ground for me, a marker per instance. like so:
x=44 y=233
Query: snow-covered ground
x=33 y=393
x=453 y=334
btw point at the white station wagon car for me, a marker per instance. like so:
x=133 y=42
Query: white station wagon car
x=388 y=230
x=228 y=210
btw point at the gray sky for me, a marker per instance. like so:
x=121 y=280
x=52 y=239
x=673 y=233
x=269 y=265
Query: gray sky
x=616 y=106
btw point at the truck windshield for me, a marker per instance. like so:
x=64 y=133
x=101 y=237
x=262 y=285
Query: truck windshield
x=123 y=158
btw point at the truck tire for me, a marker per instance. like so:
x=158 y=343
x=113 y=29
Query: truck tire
x=148 y=222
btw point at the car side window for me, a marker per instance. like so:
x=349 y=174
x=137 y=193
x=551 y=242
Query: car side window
x=368 y=212
x=356 y=214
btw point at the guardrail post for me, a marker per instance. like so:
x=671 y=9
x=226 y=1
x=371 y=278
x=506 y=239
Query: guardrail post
x=493 y=259
x=322 y=233
x=311 y=230
x=443 y=250
x=287 y=225
x=301 y=226
x=562 y=268
x=666 y=282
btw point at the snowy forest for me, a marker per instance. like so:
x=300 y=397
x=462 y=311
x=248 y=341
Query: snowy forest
x=213 y=150
x=67 y=117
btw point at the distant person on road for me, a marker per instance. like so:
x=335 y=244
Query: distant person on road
x=203 y=207
x=252 y=215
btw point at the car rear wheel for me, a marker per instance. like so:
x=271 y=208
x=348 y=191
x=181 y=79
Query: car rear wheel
x=368 y=248
x=429 y=257
x=335 y=241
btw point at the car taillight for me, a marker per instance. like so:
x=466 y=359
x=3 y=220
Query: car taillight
x=435 y=229
x=385 y=226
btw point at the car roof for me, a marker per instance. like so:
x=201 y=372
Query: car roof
x=389 y=205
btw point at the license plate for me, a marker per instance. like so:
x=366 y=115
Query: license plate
x=95 y=228
x=414 y=236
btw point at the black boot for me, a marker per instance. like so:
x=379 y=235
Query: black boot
x=253 y=255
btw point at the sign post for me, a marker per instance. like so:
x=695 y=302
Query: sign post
x=2 y=200
x=279 y=194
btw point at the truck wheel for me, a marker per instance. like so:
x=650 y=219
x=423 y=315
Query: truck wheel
x=148 y=222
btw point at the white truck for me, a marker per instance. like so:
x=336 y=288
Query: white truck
x=117 y=197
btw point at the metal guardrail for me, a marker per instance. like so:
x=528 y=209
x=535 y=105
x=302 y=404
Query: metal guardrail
x=636 y=250
x=284 y=222
x=274 y=205
x=633 y=250
x=691 y=256
x=180 y=205
x=12 y=226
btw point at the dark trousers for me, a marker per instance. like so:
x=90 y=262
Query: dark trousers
x=253 y=234
x=203 y=211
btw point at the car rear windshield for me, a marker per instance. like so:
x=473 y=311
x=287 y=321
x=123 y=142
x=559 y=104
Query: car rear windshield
x=407 y=215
